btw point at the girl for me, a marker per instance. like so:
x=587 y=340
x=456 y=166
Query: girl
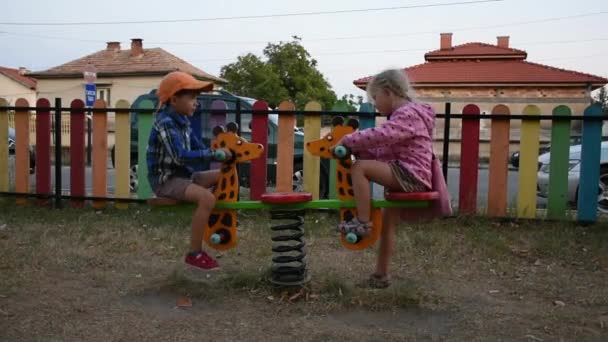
x=397 y=155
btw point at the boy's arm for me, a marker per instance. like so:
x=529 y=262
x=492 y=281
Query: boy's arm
x=172 y=141
x=197 y=144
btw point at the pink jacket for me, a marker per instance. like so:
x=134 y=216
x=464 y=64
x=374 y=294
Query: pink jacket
x=405 y=138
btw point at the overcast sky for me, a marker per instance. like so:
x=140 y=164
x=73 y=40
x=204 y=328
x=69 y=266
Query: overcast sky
x=577 y=43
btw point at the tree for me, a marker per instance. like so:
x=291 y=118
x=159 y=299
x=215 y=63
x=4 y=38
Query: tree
x=602 y=98
x=250 y=76
x=353 y=103
x=287 y=72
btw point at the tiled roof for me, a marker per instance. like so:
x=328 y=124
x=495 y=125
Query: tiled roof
x=476 y=49
x=16 y=76
x=510 y=68
x=111 y=63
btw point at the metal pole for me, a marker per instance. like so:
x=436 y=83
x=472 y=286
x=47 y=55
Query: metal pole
x=446 y=140
x=88 y=140
x=238 y=116
x=238 y=132
x=57 y=153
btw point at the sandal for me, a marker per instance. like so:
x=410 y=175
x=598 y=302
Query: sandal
x=355 y=226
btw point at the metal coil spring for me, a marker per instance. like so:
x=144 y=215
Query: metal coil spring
x=288 y=261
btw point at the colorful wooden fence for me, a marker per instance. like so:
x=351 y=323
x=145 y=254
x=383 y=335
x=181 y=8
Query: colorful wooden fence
x=497 y=203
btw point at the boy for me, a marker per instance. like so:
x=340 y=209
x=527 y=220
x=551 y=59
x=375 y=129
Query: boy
x=172 y=152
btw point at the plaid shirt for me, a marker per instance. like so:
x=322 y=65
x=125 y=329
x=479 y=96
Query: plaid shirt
x=172 y=150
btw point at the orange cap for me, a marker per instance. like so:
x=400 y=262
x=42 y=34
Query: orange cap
x=179 y=80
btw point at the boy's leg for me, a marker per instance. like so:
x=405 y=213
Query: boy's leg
x=206 y=179
x=205 y=201
x=363 y=172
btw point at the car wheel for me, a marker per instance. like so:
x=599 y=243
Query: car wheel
x=112 y=156
x=602 y=197
x=298 y=178
x=133 y=181
x=32 y=162
x=298 y=181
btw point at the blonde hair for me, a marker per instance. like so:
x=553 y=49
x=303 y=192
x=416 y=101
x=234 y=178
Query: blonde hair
x=394 y=80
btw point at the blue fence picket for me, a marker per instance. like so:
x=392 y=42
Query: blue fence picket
x=590 y=161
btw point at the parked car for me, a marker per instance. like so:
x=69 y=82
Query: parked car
x=11 y=149
x=574 y=174
x=205 y=101
x=574 y=140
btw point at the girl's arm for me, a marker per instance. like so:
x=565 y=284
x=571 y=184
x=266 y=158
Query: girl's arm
x=398 y=129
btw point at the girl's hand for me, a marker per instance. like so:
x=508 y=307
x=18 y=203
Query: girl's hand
x=228 y=153
x=339 y=143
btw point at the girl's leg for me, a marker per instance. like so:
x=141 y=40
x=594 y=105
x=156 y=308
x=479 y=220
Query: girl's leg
x=363 y=172
x=387 y=242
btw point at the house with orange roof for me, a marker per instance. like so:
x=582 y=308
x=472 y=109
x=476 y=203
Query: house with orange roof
x=122 y=74
x=488 y=75
x=14 y=84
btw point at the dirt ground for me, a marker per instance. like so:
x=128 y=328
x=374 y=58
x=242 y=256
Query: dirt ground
x=82 y=275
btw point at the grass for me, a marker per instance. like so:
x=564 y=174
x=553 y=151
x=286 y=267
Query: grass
x=50 y=259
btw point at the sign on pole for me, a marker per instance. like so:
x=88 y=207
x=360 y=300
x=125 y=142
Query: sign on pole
x=90 y=90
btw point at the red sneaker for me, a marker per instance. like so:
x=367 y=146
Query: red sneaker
x=202 y=261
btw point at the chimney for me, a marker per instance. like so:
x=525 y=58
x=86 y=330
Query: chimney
x=113 y=46
x=502 y=41
x=137 y=47
x=446 y=41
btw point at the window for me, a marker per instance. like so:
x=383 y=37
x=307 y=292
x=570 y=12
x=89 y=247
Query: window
x=103 y=93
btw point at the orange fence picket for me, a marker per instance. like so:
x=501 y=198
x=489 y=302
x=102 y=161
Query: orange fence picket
x=100 y=153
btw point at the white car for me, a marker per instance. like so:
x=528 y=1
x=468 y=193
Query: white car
x=574 y=169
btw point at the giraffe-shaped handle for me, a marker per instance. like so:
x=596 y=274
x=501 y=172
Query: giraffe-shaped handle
x=221 y=233
x=323 y=148
x=341 y=152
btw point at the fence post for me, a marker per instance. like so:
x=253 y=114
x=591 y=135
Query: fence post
x=43 y=149
x=312 y=165
x=528 y=164
x=100 y=153
x=77 y=153
x=285 y=142
x=259 y=134
x=3 y=147
x=122 y=153
x=22 y=149
x=144 y=126
x=217 y=119
x=590 y=165
x=469 y=161
x=57 y=153
x=498 y=174
x=557 y=203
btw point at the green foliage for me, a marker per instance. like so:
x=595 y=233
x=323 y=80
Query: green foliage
x=602 y=98
x=287 y=71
